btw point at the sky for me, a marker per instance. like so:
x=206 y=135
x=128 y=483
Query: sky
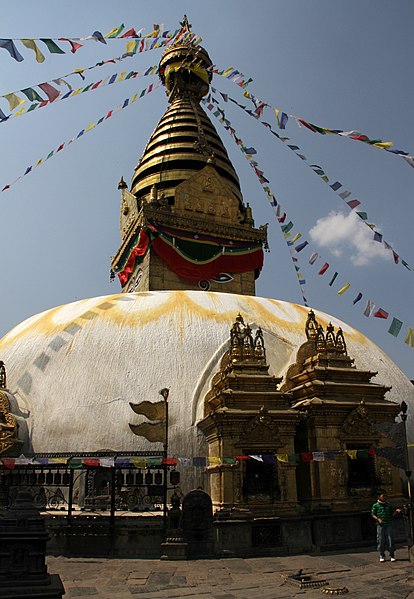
x=340 y=65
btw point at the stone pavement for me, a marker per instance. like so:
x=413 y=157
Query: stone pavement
x=232 y=578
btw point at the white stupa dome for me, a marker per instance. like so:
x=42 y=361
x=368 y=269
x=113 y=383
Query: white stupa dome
x=75 y=369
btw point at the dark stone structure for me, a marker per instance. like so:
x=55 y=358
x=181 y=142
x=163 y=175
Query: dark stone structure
x=197 y=522
x=23 y=537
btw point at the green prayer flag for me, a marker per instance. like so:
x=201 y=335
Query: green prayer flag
x=154 y=461
x=32 y=107
x=75 y=463
x=50 y=154
x=31 y=94
x=51 y=46
x=395 y=327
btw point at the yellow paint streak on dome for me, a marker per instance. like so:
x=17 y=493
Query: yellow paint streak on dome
x=139 y=309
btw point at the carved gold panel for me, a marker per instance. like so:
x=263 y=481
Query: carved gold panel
x=206 y=195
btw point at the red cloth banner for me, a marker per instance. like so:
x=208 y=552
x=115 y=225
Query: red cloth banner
x=235 y=263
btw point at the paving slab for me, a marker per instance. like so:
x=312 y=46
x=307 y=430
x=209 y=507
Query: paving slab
x=235 y=578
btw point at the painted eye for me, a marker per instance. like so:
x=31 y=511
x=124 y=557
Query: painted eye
x=223 y=277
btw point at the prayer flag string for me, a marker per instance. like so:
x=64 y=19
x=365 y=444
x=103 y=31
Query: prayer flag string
x=249 y=152
x=54 y=95
x=156 y=461
x=335 y=186
x=287 y=225
x=283 y=118
x=127 y=102
x=54 y=46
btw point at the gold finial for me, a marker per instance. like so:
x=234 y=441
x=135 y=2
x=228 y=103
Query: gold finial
x=122 y=184
x=185 y=24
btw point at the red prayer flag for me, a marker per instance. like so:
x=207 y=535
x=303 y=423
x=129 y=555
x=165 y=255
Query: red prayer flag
x=109 y=114
x=130 y=33
x=51 y=92
x=95 y=85
x=169 y=461
x=306 y=456
x=91 y=462
x=371 y=451
x=74 y=45
x=395 y=257
x=243 y=457
x=6 y=187
x=323 y=269
x=8 y=463
x=60 y=147
x=380 y=313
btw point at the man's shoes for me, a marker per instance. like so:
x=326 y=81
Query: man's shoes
x=393 y=559
x=382 y=558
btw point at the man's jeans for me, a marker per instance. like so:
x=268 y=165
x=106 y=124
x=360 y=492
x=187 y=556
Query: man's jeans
x=385 y=539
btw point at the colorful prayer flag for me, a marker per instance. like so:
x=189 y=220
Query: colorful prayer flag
x=29 y=43
x=11 y=49
x=318 y=456
x=115 y=31
x=282 y=457
x=369 y=306
x=352 y=453
x=51 y=92
x=31 y=94
x=52 y=46
x=13 y=100
x=313 y=258
x=323 y=269
x=380 y=313
x=358 y=298
x=344 y=288
x=409 y=339
x=395 y=327
x=331 y=282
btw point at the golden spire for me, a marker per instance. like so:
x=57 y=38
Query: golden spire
x=184 y=139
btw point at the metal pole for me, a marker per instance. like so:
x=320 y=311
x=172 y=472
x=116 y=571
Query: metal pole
x=70 y=498
x=113 y=492
x=165 y=393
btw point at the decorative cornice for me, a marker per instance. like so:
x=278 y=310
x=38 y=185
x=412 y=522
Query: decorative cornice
x=157 y=215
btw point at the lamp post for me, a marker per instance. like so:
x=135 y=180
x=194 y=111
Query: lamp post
x=408 y=472
x=165 y=393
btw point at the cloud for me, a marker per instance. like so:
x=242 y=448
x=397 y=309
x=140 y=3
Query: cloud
x=345 y=234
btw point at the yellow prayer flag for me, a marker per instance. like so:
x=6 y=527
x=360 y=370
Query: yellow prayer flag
x=296 y=237
x=352 y=453
x=21 y=111
x=29 y=43
x=286 y=235
x=227 y=71
x=385 y=145
x=58 y=460
x=409 y=340
x=214 y=460
x=121 y=76
x=247 y=94
x=89 y=127
x=39 y=162
x=154 y=70
x=282 y=457
x=344 y=288
x=131 y=47
x=277 y=115
x=13 y=100
x=134 y=97
x=139 y=462
x=77 y=91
